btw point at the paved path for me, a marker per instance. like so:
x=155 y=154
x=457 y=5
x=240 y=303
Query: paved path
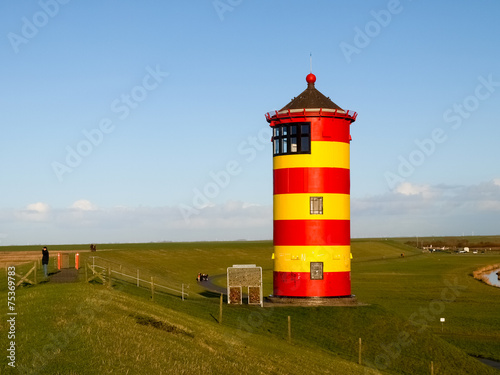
x=209 y=284
x=491 y=363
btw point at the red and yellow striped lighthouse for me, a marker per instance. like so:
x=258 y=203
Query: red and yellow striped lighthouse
x=312 y=252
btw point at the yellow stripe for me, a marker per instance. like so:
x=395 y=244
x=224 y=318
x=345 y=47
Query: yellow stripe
x=323 y=155
x=298 y=258
x=297 y=207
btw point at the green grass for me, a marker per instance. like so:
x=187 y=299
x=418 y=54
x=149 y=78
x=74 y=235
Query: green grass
x=88 y=328
x=418 y=289
x=366 y=250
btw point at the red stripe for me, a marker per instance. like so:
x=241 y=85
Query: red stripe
x=312 y=232
x=299 y=284
x=323 y=128
x=312 y=180
x=330 y=129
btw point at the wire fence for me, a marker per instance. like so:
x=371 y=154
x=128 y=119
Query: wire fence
x=106 y=270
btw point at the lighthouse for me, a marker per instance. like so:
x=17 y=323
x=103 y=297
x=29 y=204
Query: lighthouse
x=311 y=196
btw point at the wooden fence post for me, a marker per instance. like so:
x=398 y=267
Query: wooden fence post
x=109 y=277
x=152 y=288
x=432 y=367
x=35 y=267
x=25 y=277
x=220 y=308
x=138 y=277
x=289 y=329
x=86 y=273
x=359 y=355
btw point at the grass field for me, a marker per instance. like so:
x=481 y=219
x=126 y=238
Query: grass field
x=88 y=328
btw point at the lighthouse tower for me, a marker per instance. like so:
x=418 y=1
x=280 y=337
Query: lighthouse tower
x=311 y=217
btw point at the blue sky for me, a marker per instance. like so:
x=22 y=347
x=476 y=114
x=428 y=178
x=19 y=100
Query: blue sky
x=128 y=121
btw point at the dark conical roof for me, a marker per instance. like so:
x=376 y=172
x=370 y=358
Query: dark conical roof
x=310 y=98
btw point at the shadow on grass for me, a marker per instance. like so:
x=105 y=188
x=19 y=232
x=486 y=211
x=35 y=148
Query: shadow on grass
x=214 y=318
x=209 y=294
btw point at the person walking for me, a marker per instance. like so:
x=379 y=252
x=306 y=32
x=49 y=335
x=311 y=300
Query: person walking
x=45 y=261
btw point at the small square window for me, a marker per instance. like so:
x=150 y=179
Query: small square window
x=316 y=205
x=316 y=271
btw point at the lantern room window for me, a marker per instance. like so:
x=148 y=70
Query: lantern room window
x=293 y=138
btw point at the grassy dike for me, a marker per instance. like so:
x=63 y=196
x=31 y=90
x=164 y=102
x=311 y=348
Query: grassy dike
x=424 y=288
x=89 y=328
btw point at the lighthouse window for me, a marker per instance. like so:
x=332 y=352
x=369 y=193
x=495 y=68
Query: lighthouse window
x=276 y=147
x=292 y=139
x=316 y=204
x=305 y=144
x=284 y=145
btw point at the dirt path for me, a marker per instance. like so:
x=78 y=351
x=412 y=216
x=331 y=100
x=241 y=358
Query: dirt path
x=68 y=275
x=10 y=258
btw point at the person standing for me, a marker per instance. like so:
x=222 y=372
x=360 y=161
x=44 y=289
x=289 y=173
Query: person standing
x=45 y=261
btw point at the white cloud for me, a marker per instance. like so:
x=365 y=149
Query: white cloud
x=83 y=205
x=409 y=199
x=496 y=181
x=246 y=205
x=411 y=209
x=38 y=211
x=83 y=222
x=428 y=209
x=407 y=188
x=38 y=207
x=231 y=216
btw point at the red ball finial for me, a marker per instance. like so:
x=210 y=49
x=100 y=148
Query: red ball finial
x=311 y=78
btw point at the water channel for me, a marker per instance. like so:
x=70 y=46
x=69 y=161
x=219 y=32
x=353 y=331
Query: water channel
x=493 y=276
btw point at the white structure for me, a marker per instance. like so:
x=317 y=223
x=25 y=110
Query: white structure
x=247 y=276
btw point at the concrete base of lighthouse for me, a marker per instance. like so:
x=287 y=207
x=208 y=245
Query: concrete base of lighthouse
x=314 y=301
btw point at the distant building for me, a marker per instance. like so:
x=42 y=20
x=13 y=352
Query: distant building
x=432 y=249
